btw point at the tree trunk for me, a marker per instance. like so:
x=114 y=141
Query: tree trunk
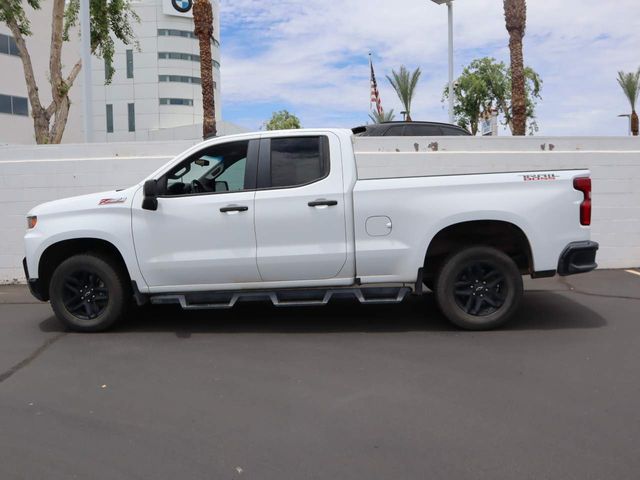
x=39 y=114
x=60 y=104
x=515 y=12
x=634 y=123
x=203 y=22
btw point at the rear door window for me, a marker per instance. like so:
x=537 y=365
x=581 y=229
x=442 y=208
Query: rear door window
x=298 y=160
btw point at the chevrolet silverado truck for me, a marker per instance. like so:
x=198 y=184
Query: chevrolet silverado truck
x=301 y=217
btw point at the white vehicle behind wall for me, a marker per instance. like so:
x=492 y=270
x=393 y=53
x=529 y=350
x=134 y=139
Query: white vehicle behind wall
x=301 y=216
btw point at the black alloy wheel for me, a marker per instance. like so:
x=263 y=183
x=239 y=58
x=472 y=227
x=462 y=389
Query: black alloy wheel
x=480 y=289
x=90 y=292
x=85 y=295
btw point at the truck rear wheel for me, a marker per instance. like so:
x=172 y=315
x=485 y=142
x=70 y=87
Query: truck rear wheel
x=88 y=294
x=479 y=288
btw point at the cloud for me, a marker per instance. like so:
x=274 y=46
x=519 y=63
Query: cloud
x=311 y=57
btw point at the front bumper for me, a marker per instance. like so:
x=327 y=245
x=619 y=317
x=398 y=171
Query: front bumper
x=34 y=284
x=578 y=257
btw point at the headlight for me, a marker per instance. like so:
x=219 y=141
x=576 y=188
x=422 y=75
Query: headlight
x=32 y=220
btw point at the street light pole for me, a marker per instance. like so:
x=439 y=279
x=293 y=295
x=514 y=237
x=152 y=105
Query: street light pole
x=628 y=115
x=85 y=54
x=450 y=14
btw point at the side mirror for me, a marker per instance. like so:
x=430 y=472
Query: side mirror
x=150 y=191
x=221 y=186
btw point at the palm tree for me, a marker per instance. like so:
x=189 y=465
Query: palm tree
x=203 y=22
x=515 y=14
x=382 y=117
x=404 y=83
x=630 y=83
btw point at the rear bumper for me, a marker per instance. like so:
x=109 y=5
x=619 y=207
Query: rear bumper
x=578 y=257
x=34 y=284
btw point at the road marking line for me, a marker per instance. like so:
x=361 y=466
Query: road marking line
x=635 y=272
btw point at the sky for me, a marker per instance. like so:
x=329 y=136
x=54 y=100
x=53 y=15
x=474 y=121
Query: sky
x=311 y=57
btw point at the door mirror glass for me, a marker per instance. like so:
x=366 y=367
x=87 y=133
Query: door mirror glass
x=150 y=192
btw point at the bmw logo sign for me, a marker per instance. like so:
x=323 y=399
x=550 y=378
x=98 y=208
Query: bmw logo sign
x=183 y=6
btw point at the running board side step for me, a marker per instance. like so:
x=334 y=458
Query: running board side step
x=282 y=298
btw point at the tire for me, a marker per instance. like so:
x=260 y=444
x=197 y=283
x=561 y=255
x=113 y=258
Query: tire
x=478 y=288
x=88 y=293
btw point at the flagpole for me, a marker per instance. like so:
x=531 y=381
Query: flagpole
x=370 y=68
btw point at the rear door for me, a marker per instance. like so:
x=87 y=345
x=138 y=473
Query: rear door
x=300 y=209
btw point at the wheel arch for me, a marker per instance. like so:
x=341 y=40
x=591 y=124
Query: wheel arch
x=503 y=235
x=59 y=251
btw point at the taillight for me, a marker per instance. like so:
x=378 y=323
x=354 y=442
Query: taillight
x=583 y=184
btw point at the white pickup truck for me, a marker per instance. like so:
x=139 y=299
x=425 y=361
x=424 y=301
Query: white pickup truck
x=299 y=217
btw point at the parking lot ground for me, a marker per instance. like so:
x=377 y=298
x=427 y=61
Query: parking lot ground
x=341 y=392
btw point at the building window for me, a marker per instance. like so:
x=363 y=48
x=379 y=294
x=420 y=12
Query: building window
x=14 y=105
x=5 y=104
x=109 y=118
x=108 y=69
x=178 y=56
x=129 y=63
x=166 y=32
x=177 y=101
x=131 y=111
x=20 y=106
x=180 y=79
x=8 y=45
x=184 y=56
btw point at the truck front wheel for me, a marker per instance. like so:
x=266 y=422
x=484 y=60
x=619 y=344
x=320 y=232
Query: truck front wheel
x=87 y=293
x=478 y=288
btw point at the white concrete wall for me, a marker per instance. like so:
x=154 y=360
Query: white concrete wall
x=31 y=175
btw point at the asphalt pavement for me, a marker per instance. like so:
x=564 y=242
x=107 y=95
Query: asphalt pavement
x=341 y=392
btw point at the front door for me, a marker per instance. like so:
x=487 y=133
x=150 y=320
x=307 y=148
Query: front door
x=300 y=209
x=202 y=234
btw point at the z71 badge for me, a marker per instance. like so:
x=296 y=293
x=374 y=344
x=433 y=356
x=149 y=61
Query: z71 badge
x=539 y=176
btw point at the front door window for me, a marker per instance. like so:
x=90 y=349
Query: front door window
x=217 y=169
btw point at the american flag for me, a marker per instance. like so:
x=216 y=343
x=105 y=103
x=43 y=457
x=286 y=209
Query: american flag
x=375 y=94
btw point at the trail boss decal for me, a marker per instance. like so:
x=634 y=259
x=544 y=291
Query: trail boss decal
x=539 y=176
x=111 y=201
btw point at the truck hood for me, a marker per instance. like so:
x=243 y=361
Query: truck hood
x=108 y=199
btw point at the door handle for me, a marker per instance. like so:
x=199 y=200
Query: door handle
x=234 y=208
x=323 y=203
